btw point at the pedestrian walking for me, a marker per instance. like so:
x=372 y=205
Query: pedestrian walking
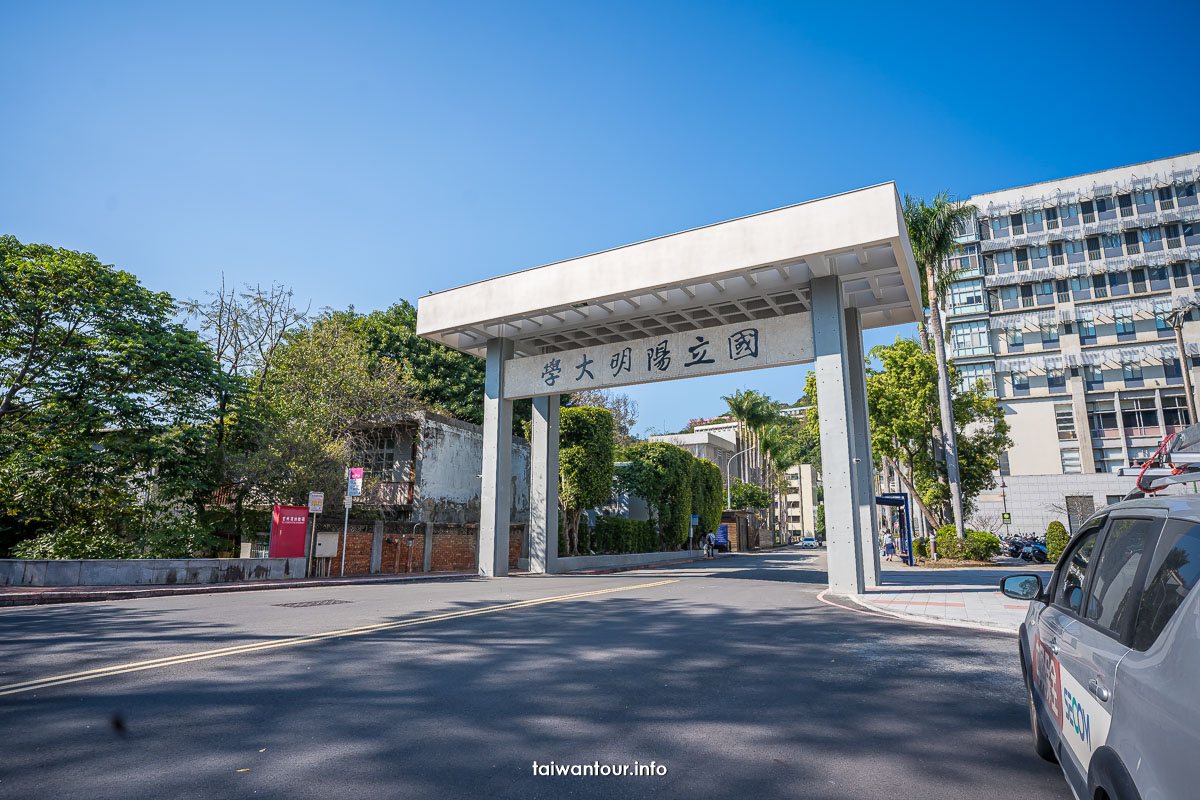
x=710 y=545
x=889 y=546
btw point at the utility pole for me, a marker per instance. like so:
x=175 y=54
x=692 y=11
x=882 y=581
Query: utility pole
x=1178 y=317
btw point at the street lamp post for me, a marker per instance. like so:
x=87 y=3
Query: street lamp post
x=1177 y=318
x=728 y=495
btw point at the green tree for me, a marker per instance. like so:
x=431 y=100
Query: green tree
x=932 y=228
x=660 y=474
x=441 y=377
x=322 y=403
x=100 y=388
x=585 y=465
x=746 y=495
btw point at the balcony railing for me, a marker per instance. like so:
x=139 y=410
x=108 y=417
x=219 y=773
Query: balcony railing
x=388 y=493
x=1028 y=302
x=1057 y=260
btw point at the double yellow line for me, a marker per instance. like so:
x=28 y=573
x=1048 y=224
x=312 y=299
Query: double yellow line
x=204 y=655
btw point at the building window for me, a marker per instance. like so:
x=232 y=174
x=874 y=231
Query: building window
x=1056 y=254
x=1104 y=204
x=1050 y=335
x=1151 y=235
x=1070 y=460
x=1139 y=415
x=1102 y=419
x=1132 y=373
x=1162 y=322
x=1051 y=218
x=1073 y=247
x=1016 y=338
x=1020 y=382
x=1175 y=412
x=1144 y=198
x=1022 y=259
x=999 y=227
x=380 y=460
x=1018 y=225
x=971 y=374
x=1099 y=286
x=1124 y=320
x=1138 y=277
x=970 y=338
x=1094 y=376
x=1089 y=215
x=966 y=296
x=1093 y=248
x=1064 y=420
x=1171 y=369
x=1132 y=245
x=1126 y=205
x=1166 y=200
x=1056 y=379
x=1004 y=259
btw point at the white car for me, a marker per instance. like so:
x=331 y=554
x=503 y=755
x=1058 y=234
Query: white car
x=809 y=541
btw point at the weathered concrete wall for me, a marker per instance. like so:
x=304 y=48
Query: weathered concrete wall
x=145 y=571
x=449 y=463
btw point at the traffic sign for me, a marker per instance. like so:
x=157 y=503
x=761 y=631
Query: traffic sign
x=316 y=501
x=355 y=486
x=1007 y=517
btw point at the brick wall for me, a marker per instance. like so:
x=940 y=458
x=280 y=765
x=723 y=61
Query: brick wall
x=358 y=554
x=400 y=548
x=454 y=547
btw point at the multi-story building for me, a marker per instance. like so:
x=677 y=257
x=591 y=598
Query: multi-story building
x=1062 y=305
x=801 y=501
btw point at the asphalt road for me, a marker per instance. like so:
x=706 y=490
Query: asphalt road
x=732 y=676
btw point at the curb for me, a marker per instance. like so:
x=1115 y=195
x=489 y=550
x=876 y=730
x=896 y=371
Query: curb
x=101 y=595
x=877 y=611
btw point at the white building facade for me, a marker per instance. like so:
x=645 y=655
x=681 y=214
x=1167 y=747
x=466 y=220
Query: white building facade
x=1062 y=305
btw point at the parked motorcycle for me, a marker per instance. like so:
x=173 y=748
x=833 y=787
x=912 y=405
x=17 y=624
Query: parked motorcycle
x=1034 y=552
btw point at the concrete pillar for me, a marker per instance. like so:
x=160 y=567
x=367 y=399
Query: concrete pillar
x=427 y=556
x=495 y=501
x=864 y=463
x=543 y=485
x=376 y=546
x=1087 y=452
x=837 y=431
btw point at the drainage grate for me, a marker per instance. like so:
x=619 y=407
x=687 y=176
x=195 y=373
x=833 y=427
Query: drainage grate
x=310 y=603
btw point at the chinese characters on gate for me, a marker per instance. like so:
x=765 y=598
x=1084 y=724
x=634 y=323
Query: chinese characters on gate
x=659 y=357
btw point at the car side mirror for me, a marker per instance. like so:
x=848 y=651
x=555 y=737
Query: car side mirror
x=1025 y=586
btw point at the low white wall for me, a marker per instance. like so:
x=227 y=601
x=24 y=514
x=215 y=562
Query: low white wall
x=145 y=571
x=575 y=563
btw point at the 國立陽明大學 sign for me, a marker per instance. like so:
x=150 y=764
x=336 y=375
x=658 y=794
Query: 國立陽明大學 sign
x=707 y=351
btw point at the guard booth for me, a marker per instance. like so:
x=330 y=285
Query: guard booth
x=791 y=286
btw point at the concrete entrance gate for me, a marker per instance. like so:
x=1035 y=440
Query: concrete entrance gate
x=790 y=286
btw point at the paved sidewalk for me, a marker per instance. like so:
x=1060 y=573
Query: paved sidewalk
x=962 y=597
x=45 y=595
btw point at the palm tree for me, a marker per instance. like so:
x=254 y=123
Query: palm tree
x=761 y=412
x=740 y=404
x=932 y=229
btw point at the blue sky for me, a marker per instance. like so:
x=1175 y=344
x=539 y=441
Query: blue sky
x=367 y=152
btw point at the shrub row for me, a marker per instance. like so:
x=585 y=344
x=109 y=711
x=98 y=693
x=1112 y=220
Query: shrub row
x=978 y=546
x=613 y=535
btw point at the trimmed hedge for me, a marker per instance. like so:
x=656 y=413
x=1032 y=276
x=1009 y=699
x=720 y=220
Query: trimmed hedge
x=921 y=547
x=978 y=546
x=620 y=535
x=1056 y=540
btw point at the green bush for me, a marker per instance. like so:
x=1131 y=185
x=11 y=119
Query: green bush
x=978 y=546
x=921 y=547
x=620 y=535
x=1056 y=540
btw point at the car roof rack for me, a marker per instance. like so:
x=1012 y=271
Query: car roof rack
x=1176 y=461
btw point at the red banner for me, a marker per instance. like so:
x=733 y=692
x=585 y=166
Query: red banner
x=289 y=524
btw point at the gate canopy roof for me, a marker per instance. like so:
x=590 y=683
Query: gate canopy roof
x=751 y=268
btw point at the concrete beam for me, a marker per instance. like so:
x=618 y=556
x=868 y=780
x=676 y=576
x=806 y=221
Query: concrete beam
x=543 y=485
x=837 y=431
x=496 y=490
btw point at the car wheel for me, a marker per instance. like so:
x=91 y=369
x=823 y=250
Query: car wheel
x=1041 y=744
